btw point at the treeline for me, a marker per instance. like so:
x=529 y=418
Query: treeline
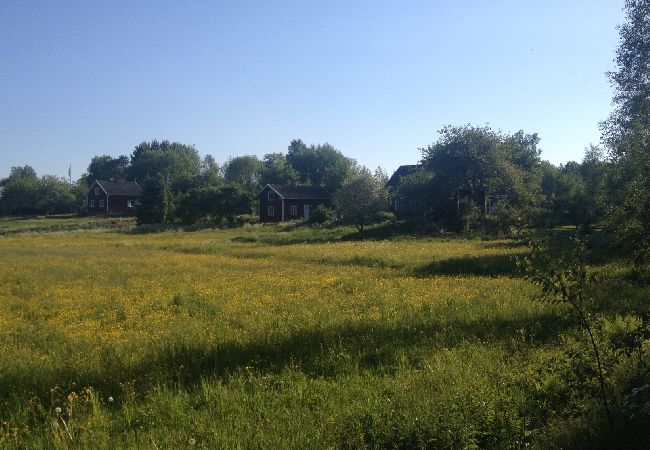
x=180 y=186
x=24 y=193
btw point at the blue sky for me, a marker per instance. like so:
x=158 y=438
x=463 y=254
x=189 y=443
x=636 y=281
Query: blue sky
x=376 y=79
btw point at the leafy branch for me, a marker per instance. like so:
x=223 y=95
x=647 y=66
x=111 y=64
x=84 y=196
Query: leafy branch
x=564 y=278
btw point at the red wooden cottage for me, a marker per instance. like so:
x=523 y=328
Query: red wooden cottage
x=113 y=197
x=279 y=203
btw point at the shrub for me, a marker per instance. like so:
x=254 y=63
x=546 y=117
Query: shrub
x=321 y=214
x=249 y=219
x=385 y=216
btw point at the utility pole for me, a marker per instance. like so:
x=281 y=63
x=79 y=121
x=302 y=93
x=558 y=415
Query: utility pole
x=70 y=173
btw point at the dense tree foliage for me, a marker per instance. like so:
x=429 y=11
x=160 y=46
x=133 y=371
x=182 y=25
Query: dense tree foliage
x=157 y=202
x=106 y=167
x=19 y=191
x=361 y=197
x=24 y=193
x=631 y=79
x=276 y=170
x=320 y=165
x=244 y=171
x=213 y=204
x=415 y=196
x=576 y=193
x=171 y=160
x=166 y=171
x=474 y=158
x=471 y=162
x=627 y=133
x=56 y=196
x=210 y=174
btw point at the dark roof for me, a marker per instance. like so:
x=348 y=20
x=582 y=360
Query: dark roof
x=300 y=192
x=402 y=171
x=120 y=188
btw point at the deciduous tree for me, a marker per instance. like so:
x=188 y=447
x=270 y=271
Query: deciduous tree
x=171 y=160
x=320 y=165
x=276 y=170
x=19 y=192
x=474 y=159
x=244 y=171
x=627 y=134
x=361 y=198
x=106 y=167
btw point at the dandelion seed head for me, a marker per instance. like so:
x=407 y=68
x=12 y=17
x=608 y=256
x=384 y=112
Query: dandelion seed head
x=57 y=410
x=110 y=399
x=192 y=441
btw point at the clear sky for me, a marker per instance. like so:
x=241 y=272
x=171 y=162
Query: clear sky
x=376 y=79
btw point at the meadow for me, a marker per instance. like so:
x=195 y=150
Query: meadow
x=270 y=337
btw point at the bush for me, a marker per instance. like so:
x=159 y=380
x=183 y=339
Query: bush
x=249 y=219
x=502 y=220
x=385 y=216
x=321 y=214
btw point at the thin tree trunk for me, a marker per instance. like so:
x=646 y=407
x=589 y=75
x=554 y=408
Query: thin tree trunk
x=601 y=377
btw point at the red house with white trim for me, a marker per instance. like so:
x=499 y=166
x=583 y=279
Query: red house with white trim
x=279 y=203
x=113 y=197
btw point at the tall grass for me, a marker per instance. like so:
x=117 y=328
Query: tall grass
x=267 y=337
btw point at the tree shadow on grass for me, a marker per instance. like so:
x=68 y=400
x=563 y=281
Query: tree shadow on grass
x=389 y=231
x=322 y=352
x=484 y=265
x=304 y=233
x=164 y=227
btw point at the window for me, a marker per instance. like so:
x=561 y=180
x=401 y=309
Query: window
x=92 y=203
x=293 y=210
x=97 y=192
x=270 y=196
x=101 y=203
x=270 y=211
x=490 y=205
x=130 y=203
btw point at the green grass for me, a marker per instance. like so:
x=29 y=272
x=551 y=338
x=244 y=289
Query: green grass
x=11 y=225
x=293 y=337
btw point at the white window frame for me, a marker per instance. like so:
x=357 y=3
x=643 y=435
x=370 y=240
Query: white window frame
x=270 y=211
x=92 y=203
x=130 y=203
x=269 y=195
x=293 y=210
x=101 y=203
x=97 y=192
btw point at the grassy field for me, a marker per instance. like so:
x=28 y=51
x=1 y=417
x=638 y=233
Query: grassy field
x=12 y=225
x=260 y=337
